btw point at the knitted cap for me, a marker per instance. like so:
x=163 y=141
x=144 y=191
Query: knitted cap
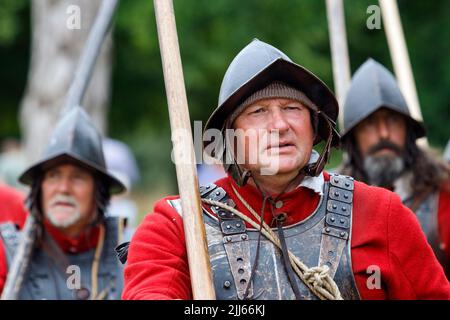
x=276 y=89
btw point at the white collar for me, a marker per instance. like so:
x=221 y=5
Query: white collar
x=314 y=183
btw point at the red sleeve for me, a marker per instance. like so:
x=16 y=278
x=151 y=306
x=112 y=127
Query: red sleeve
x=444 y=221
x=3 y=266
x=387 y=236
x=157 y=265
x=416 y=271
x=12 y=207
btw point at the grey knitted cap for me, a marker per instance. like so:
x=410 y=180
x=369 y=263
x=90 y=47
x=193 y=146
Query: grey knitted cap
x=276 y=89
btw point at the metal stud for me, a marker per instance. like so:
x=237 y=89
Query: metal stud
x=342 y=221
x=333 y=219
x=228 y=226
x=346 y=195
x=342 y=234
x=217 y=193
x=238 y=225
x=334 y=206
x=244 y=237
x=228 y=239
x=327 y=230
x=226 y=284
x=336 y=193
x=344 y=208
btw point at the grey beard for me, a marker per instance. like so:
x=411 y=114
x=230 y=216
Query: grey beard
x=382 y=171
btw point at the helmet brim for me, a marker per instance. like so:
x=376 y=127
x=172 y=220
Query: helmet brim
x=27 y=178
x=293 y=75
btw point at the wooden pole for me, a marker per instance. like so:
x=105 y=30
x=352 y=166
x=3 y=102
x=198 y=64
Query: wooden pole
x=339 y=53
x=194 y=228
x=400 y=58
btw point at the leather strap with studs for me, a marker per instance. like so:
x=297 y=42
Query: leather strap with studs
x=235 y=239
x=338 y=219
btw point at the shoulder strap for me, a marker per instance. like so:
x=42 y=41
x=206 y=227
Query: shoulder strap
x=235 y=239
x=338 y=220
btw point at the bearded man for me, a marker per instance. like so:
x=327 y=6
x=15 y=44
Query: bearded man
x=380 y=140
x=73 y=254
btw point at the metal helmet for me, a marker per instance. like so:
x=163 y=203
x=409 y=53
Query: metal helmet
x=254 y=68
x=374 y=87
x=76 y=140
x=258 y=65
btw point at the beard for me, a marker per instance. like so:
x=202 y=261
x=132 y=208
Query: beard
x=383 y=170
x=70 y=219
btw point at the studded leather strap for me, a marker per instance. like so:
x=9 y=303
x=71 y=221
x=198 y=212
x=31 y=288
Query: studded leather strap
x=338 y=219
x=235 y=239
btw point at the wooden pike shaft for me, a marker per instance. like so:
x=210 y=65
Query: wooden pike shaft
x=400 y=57
x=194 y=228
x=339 y=52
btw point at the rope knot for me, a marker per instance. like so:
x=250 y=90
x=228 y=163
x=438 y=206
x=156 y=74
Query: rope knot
x=316 y=275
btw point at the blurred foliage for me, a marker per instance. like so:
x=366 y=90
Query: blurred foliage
x=211 y=33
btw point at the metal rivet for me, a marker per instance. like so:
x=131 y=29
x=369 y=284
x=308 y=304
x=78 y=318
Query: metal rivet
x=333 y=219
x=347 y=184
x=241 y=271
x=207 y=187
x=217 y=208
x=330 y=253
x=336 y=180
x=327 y=230
x=334 y=206
x=244 y=237
x=217 y=193
x=344 y=208
x=345 y=195
x=342 y=234
x=336 y=193
x=243 y=281
x=238 y=225
x=223 y=214
x=278 y=204
x=228 y=239
x=239 y=260
x=227 y=284
x=342 y=221
x=228 y=227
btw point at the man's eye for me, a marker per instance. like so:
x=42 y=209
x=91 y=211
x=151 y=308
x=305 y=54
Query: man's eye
x=52 y=174
x=256 y=111
x=292 y=108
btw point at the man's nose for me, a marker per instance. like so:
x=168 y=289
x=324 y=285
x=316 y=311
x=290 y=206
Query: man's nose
x=279 y=121
x=64 y=185
x=383 y=129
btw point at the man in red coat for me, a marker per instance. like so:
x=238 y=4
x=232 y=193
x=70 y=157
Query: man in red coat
x=12 y=206
x=278 y=226
x=72 y=255
x=380 y=139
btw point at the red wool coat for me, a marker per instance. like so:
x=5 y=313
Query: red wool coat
x=12 y=207
x=384 y=233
